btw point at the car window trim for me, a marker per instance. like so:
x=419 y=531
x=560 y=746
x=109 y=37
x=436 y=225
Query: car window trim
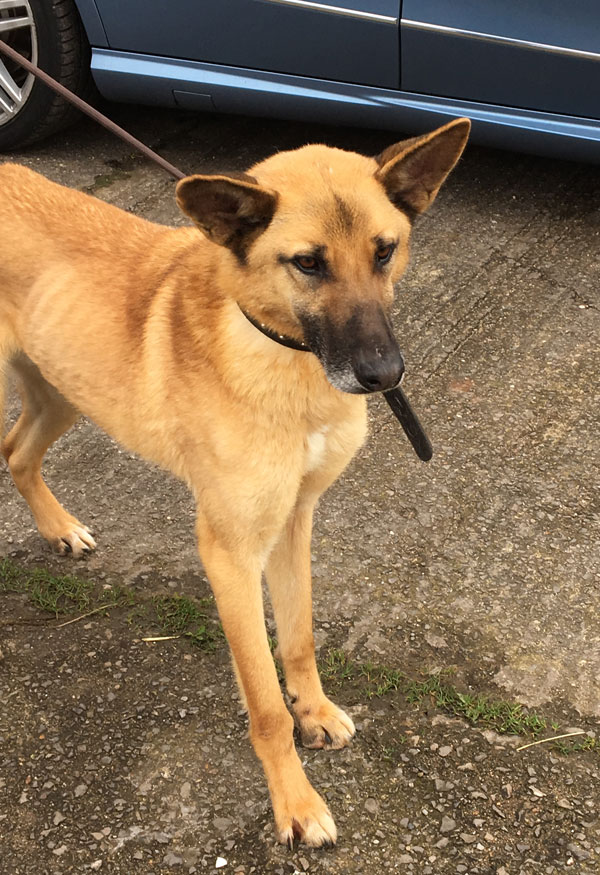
x=314 y=6
x=499 y=40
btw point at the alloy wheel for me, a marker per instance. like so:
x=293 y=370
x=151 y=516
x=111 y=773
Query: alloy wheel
x=17 y=28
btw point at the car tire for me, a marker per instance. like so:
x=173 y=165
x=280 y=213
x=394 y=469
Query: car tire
x=54 y=39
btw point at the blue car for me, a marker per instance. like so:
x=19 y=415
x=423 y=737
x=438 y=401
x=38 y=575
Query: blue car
x=526 y=73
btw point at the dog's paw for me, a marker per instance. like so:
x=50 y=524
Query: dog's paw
x=306 y=819
x=76 y=541
x=323 y=724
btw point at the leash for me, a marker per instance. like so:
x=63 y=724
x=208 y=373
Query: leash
x=89 y=110
x=396 y=398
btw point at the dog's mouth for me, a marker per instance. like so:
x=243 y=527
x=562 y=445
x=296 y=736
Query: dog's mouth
x=361 y=356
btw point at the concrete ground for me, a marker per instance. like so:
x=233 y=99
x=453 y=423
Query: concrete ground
x=128 y=757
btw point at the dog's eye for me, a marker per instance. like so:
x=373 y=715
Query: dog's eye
x=384 y=253
x=306 y=263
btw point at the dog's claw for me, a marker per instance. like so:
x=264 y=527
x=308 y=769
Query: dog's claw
x=290 y=842
x=327 y=737
x=67 y=546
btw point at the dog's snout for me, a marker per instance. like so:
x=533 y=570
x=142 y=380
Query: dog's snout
x=377 y=369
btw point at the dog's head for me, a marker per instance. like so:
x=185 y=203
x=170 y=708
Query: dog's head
x=320 y=236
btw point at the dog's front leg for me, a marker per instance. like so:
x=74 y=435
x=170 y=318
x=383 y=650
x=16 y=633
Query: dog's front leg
x=321 y=723
x=235 y=577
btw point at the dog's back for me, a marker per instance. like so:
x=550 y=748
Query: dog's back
x=49 y=264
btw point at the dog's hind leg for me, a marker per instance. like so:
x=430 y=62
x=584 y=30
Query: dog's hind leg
x=45 y=416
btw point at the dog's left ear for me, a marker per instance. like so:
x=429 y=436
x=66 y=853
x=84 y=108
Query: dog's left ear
x=412 y=171
x=232 y=210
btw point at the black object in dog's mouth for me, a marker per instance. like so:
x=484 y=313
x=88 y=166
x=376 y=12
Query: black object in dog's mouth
x=409 y=421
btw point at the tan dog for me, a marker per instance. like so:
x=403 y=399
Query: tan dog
x=155 y=333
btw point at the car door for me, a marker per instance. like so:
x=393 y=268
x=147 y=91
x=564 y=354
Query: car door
x=344 y=40
x=538 y=54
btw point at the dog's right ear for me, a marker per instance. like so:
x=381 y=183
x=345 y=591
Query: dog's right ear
x=232 y=210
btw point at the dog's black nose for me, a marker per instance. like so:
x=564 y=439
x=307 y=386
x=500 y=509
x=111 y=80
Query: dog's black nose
x=377 y=370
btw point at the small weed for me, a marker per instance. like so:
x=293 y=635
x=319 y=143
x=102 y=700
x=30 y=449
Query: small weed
x=588 y=742
x=337 y=667
x=380 y=679
x=12 y=578
x=179 y=615
x=118 y=595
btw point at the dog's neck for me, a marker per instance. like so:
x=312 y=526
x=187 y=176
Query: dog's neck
x=282 y=339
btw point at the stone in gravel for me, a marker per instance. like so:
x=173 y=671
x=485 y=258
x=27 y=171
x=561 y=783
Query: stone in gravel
x=172 y=859
x=467 y=838
x=564 y=803
x=221 y=861
x=445 y=751
x=578 y=852
x=185 y=790
x=222 y=823
x=448 y=824
x=58 y=818
x=96 y=864
x=372 y=805
x=80 y=789
x=405 y=858
x=303 y=862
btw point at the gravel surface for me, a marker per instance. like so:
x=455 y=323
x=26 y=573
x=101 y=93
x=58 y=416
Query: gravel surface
x=127 y=757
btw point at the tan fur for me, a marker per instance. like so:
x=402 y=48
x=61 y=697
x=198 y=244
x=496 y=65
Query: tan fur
x=138 y=326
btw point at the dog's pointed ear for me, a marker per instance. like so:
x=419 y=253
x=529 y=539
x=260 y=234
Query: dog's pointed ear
x=231 y=209
x=412 y=171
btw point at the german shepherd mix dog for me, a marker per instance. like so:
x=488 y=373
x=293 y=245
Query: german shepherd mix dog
x=158 y=335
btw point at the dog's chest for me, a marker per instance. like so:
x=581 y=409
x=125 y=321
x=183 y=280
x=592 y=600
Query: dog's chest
x=315 y=448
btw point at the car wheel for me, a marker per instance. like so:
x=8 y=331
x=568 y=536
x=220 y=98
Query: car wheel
x=50 y=34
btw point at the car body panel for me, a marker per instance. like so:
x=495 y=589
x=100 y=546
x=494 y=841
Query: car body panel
x=274 y=35
x=146 y=79
x=285 y=58
x=542 y=54
x=92 y=22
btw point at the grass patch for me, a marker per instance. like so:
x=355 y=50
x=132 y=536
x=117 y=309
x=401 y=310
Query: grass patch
x=62 y=594
x=506 y=718
x=66 y=594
